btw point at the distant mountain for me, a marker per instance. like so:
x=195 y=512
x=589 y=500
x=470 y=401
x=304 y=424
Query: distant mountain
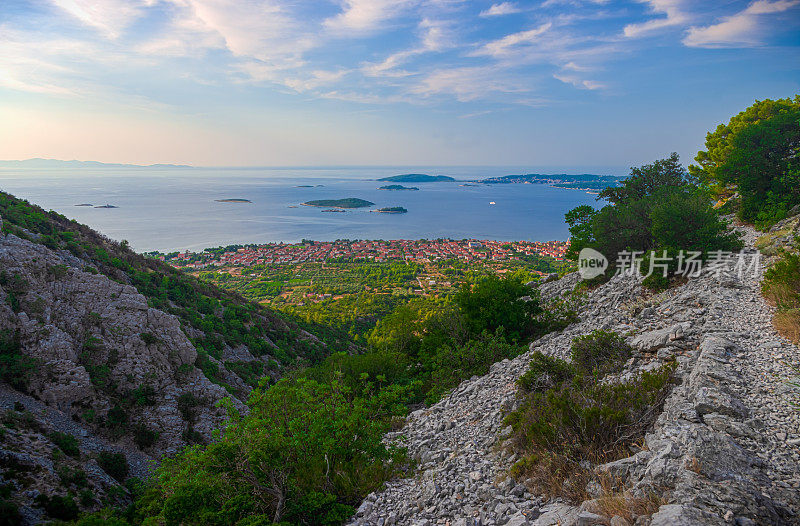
x=56 y=164
x=417 y=178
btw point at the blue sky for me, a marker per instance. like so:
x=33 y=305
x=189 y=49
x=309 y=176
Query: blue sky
x=273 y=82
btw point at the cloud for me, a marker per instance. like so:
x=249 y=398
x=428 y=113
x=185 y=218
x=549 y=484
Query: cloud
x=503 y=8
x=466 y=83
x=578 y=82
x=509 y=43
x=674 y=16
x=744 y=29
x=435 y=36
x=364 y=16
x=109 y=17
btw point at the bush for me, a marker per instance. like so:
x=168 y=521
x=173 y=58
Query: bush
x=15 y=367
x=58 y=507
x=144 y=395
x=568 y=415
x=66 y=442
x=658 y=208
x=600 y=352
x=148 y=338
x=115 y=464
x=143 y=436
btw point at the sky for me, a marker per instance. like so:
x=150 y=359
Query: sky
x=594 y=83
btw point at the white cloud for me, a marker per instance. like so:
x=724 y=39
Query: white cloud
x=740 y=30
x=466 y=83
x=364 y=16
x=503 y=8
x=578 y=82
x=435 y=37
x=509 y=43
x=674 y=15
x=110 y=17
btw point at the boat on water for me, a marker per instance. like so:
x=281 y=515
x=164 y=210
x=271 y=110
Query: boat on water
x=492 y=203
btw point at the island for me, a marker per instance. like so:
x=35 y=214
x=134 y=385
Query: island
x=106 y=206
x=397 y=187
x=233 y=200
x=350 y=202
x=391 y=210
x=335 y=210
x=587 y=182
x=84 y=204
x=417 y=178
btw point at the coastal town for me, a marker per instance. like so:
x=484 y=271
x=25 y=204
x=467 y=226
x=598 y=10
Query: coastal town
x=420 y=251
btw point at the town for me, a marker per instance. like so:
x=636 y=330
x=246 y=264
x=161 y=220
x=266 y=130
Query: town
x=422 y=251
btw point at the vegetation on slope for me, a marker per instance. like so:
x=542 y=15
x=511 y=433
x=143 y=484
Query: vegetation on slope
x=311 y=446
x=756 y=156
x=659 y=209
x=213 y=318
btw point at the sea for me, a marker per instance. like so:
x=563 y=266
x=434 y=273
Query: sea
x=169 y=209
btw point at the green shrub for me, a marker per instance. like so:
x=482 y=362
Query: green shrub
x=115 y=464
x=72 y=477
x=569 y=416
x=544 y=372
x=148 y=338
x=66 y=442
x=144 y=395
x=659 y=207
x=599 y=352
x=58 y=507
x=15 y=367
x=143 y=436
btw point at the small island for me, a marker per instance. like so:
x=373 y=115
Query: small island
x=84 y=204
x=397 y=187
x=106 y=206
x=391 y=210
x=350 y=202
x=417 y=178
x=233 y=200
x=335 y=210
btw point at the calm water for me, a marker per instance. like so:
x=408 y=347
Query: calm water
x=176 y=209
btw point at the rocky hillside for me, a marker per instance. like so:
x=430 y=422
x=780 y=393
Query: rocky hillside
x=104 y=350
x=724 y=450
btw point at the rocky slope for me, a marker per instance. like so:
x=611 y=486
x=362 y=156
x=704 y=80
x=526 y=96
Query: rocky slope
x=85 y=353
x=725 y=450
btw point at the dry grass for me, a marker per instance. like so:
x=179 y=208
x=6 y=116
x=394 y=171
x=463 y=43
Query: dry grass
x=627 y=506
x=787 y=323
x=553 y=475
x=693 y=464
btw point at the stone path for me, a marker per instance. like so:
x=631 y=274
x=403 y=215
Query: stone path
x=732 y=411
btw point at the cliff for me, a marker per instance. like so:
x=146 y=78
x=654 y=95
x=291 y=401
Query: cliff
x=102 y=350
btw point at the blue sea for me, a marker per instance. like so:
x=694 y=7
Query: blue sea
x=175 y=209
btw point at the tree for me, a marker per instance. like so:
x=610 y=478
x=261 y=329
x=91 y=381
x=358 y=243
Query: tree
x=756 y=153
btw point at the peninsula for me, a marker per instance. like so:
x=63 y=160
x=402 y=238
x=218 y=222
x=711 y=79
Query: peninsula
x=418 y=178
x=397 y=187
x=350 y=202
